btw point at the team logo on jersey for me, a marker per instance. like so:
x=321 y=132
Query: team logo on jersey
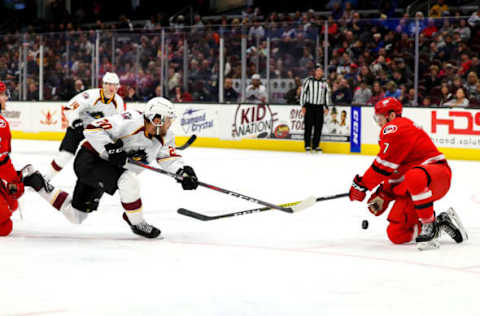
x=48 y=118
x=390 y=129
x=85 y=95
x=3 y=124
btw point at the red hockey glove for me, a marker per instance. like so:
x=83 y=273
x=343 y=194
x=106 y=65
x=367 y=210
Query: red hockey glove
x=357 y=190
x=378 y=201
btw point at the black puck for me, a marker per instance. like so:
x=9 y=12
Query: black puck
x=364 y=224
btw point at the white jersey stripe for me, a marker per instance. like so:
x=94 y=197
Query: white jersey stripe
x=433 y=159
x=386 y=163
x=422 y=196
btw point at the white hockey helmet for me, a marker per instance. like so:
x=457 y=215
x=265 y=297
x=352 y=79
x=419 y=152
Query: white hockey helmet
x=161 y=108
x=111 y=77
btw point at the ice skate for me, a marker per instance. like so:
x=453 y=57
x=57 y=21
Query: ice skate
x=34 y=179
x=143 y=229
x=450 y=223
x=428 y=238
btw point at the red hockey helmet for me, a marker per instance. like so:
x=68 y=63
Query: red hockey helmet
x=3 y=87
x=387 y=105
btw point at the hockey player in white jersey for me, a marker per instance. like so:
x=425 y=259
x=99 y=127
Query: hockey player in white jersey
x=83 y=109
x=101 y=164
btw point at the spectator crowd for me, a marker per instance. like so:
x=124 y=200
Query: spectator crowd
x=368 y=57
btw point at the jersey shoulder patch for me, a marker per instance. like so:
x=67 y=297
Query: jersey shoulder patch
x=389 y=129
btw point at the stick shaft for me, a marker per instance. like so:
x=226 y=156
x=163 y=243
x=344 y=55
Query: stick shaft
x=203 y=217
x=213 y=187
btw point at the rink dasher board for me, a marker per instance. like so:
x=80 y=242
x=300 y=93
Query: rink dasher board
x=270 y=127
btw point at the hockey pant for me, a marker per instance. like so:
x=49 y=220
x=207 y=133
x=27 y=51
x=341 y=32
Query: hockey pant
x=422 y=185
x=96 y=176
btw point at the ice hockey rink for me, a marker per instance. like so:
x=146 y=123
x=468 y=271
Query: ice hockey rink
x=316 y=262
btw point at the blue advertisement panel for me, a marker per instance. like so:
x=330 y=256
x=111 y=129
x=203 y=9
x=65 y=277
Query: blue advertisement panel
x=356 y=130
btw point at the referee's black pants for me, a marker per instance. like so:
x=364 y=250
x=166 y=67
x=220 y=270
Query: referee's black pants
x=313 y=118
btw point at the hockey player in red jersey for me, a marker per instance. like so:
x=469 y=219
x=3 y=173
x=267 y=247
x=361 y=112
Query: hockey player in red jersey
x=11 y=187
x=411 y=171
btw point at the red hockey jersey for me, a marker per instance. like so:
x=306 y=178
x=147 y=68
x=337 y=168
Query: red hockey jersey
x=7 y=171
x=403 y=145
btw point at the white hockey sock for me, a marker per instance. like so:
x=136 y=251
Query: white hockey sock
x=129 y=191
x=61 y=201
x=58 y=163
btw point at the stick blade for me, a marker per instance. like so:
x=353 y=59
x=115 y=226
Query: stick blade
x=308 y=202
x=195 y=215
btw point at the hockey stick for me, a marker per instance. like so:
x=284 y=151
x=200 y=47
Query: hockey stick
x=204 y=217
x=295 y=208
x=188 y=143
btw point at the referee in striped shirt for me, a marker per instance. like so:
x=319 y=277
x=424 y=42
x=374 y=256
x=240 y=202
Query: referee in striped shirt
x=314 y=98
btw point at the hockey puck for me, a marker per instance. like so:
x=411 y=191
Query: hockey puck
x=364 y=224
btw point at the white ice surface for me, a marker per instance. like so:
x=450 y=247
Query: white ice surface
x=316 y=262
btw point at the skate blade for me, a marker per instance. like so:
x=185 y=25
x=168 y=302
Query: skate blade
x=451 y=212
x=427 y=245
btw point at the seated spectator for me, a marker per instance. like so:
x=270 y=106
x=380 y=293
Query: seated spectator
x=471 y=84
x=200 y=92
x=392 y=90
x=229 y=94
x=362 y=94
x=173 y=78
x=181 y=96
x=342 y=93
x=445 y=94
x=464 y=30
x=409 y=98
x=456 y=83
x=459 y=100
x=377 y=94
x=157 y=92
x=32 y=91
x=131 y=95
x=474 y=19
x=466 y=63
x=293 y=95
x=427 y=102
x=432 y=79
x=256 y=91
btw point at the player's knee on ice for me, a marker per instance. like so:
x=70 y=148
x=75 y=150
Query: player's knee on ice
x=400 y=233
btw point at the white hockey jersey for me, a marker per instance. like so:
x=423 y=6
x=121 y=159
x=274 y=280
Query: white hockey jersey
x=91 y=104
x=129 y=127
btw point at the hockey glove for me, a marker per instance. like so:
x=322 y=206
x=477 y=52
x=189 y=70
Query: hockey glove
x=138 y=155
x=77 y=127
x=116 y=155
x=378 y=201
x=357 y=190
x=189 y=181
